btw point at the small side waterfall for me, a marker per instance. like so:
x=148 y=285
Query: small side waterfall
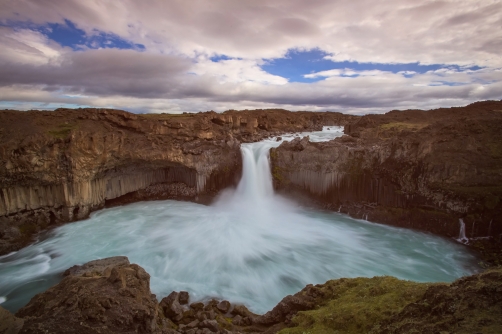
x=461 y=235
x=252 y=246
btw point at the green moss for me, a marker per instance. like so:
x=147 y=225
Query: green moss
x=495 y=148
x=491 y=201
x=277 y=174
x=62 y=130
x=489 y=196
x=403 y=126
x=28 y=229
x=224 y=322
x=353 y=167
x=165 y=116
x=357 y=305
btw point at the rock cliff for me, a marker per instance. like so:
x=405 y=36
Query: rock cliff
x=430 y=170
x=59 y=166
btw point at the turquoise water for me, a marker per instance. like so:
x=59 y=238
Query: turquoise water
x=251 y=246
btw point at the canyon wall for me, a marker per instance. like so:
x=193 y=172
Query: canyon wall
x=415 y=169
x=59 y=166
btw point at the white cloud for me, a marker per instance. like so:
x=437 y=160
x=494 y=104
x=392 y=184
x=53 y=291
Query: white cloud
x=236 y=71
x=26 y=46
x=176 y=74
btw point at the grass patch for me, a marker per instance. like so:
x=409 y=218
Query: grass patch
x=357 y=305
x=495 y=148
x=62 y=130
x=165 y=116
x=469 y=191
x=403 y=126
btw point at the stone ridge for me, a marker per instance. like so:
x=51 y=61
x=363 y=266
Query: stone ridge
x=416 y=169
x=59 y=166
x=113 y=296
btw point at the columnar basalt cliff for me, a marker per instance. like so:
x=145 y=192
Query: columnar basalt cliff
x=413 y=168
x=59 y=166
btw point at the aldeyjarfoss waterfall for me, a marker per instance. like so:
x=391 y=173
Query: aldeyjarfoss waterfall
x=250 y=246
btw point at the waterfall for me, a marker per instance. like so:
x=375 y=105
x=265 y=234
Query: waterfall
x=256 y=181
x=252 y=246
x=461 y=235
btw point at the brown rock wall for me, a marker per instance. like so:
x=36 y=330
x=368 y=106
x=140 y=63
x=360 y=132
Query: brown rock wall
x=415 y=169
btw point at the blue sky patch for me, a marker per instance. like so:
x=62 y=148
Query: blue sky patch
x=296 y=64
x=69 y=35
x=218 y=58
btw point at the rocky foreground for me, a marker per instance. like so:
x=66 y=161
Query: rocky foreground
x=113 y=296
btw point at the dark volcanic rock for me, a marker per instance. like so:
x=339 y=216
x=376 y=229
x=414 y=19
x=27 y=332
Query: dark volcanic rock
x=9 y=324
x=287 y=308
x=97 y=267
x=471 y=304
x=183 y=297
x=113 y=296
x=118 y=302
x=224 y=306
x=59 y=166
x=171 y=306
x=413 y=168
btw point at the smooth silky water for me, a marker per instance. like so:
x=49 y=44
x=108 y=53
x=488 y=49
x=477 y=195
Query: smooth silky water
x=250 y=246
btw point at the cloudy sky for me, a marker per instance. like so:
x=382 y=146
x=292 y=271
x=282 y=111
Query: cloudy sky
x=357 y=56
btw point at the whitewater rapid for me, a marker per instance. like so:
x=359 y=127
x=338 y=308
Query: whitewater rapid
x=251 y=246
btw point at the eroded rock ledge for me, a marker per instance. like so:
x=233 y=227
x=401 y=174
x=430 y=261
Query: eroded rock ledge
x=113 y=296
x=416 y=169
x=59 y=166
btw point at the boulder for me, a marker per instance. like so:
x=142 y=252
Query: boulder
x=223 y=306
x=171 y=306
x=183 y=297
x=242 y=311
x=107 y=298
x=212 y=325
x=97 y=266
x=198 y=306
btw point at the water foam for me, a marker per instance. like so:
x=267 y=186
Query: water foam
x=250 y=246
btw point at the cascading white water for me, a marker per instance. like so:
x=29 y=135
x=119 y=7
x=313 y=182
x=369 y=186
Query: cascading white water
x=461 y=234
x=250 y=246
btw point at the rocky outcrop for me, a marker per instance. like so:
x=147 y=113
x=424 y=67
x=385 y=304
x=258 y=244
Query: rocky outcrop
x=113 y=296
x=59 y=166
x=387 y=305
x=9 y=324
x=416 y=169
x=471 y=304
x=110 y=297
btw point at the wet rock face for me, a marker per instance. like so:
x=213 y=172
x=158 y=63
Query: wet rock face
x=418 y=169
